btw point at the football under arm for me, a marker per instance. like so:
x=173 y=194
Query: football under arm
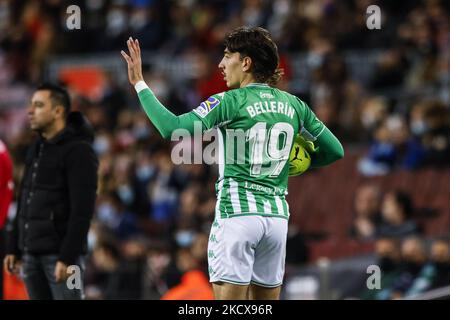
x=330 y=149
x=165 y=121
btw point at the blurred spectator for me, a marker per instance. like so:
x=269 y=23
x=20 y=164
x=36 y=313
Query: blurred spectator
x=436 y=273
x=112 y=213
x=327 y=94
x=118 y=274
x=381 y=156
x=436 y=138
x=397 y=211
x=388 y=255
x=104 y=262
x=198 y=249
x=392 y=146
x=113 y=100
x=373 y=111
x=163 y=194
x=367 y=217
x=391 y=70
x=413 y=260
x=146 y=23
x=184 y=233
x=194 y=282
x=297 y=251
x=160 y=273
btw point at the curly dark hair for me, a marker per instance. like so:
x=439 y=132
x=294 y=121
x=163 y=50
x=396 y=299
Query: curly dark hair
x=257 y=44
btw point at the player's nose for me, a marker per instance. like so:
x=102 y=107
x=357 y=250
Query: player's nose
x=221 y=65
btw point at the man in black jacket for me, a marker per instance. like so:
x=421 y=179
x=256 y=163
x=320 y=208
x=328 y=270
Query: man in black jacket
x=56 y=200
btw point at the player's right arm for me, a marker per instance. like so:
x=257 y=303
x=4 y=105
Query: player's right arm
x=329 y=148
x=165 y=121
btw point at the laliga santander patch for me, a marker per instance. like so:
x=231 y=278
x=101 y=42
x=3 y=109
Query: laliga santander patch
x=206 y=106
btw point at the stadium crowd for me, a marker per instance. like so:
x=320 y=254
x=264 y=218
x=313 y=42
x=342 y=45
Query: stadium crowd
x=410 y=267
x=152 y=218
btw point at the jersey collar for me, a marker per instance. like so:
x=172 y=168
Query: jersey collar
x=256 y=84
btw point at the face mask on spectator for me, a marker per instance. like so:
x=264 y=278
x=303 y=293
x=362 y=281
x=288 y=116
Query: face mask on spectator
x=101 y=145
x=418 y=127
x=116 y=21
x=106 y=210
x=184 y=238
x=145 y=172
x=141 y=132
x=107 y=214
x=91 y=240
x=126 y=194
x=315 y=60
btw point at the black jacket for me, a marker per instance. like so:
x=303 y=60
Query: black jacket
x=57 y=194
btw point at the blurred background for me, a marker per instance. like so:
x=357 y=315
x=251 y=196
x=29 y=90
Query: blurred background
x=384 y=93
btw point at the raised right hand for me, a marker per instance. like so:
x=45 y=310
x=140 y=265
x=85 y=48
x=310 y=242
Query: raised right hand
x=134 y=61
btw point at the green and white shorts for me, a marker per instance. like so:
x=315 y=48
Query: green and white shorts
x=248 y=249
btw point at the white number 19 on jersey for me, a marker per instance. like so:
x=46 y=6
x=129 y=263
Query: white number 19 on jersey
x=269 y=151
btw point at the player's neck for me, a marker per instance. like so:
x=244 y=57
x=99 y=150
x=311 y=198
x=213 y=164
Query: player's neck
x=247 y=80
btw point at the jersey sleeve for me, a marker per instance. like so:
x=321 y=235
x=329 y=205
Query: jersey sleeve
x=217 y=110
x=164 y=120
x=329 y=147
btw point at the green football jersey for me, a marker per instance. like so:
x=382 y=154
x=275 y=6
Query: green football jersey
x=256 y=128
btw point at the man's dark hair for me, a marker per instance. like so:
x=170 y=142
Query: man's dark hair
x=58 y=95
x=257 y=44
x=404 y=201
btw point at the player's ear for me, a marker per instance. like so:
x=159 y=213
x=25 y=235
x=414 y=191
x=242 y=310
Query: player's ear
x=246 y=63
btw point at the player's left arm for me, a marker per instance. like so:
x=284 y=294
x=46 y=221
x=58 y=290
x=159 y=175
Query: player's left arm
x=328 y=148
